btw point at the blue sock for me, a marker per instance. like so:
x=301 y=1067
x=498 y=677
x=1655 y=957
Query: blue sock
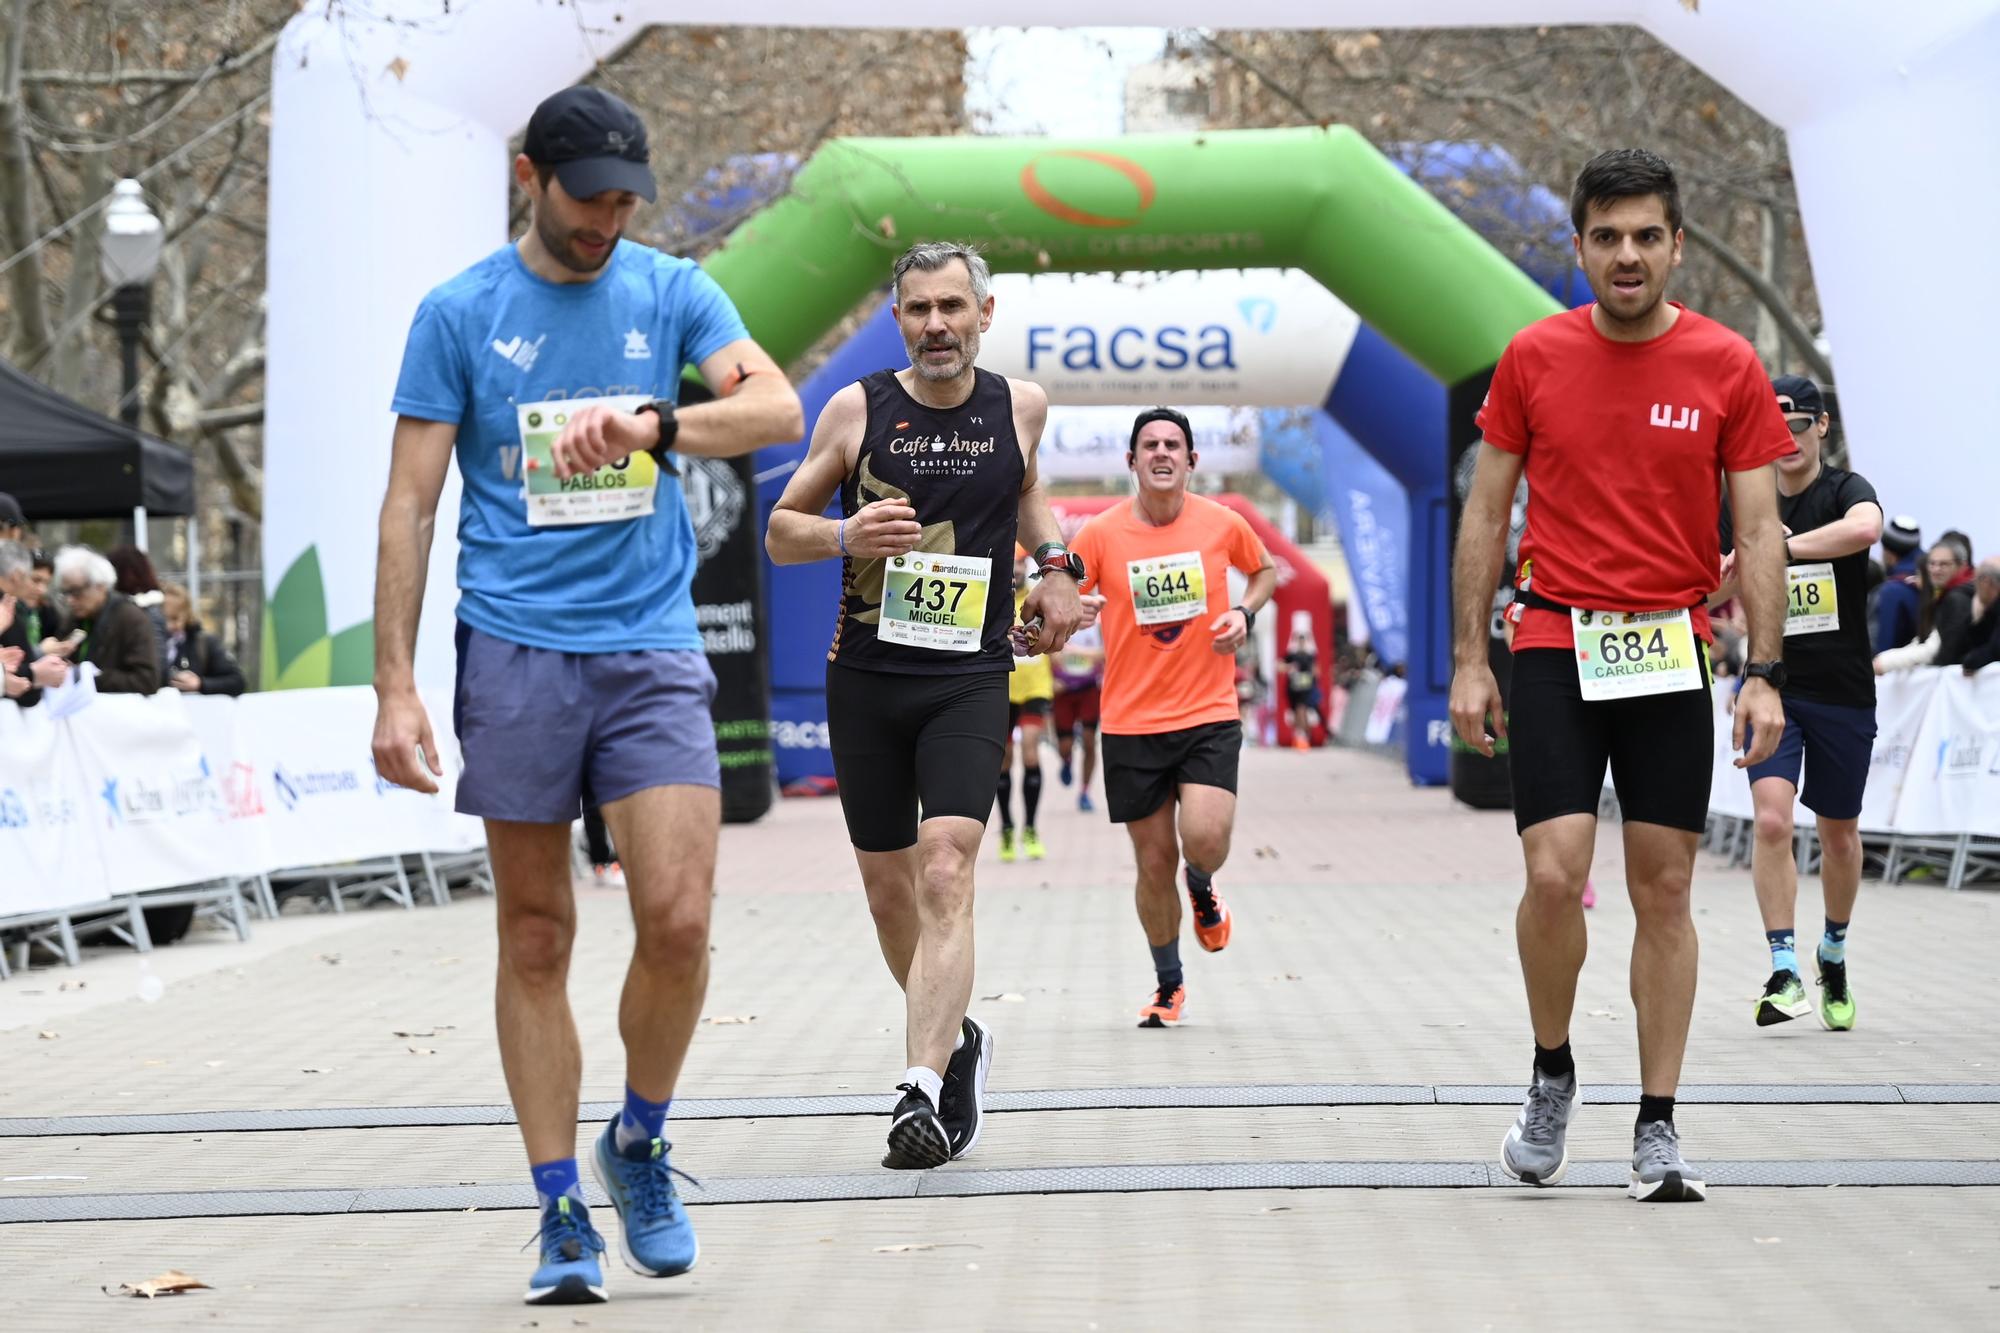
x=1784 y=952
x=642 y=1121
x=555 y=1179
x=1167 y=963
x=1833 y=944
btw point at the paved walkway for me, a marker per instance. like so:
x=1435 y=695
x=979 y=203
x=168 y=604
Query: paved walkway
x=1312 y=1149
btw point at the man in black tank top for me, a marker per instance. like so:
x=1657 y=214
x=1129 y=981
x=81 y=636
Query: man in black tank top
x=935 y=470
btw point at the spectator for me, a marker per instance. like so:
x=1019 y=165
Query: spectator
x=1982 y=646
x=46 y=619
x=1949 y=566
x=1302 y=686
x=1962 y=545
x=116 y=635
x=197 y=663
x=23 y=665
x=13 y=523
x=1954 y=626
x=139 y=581
x=1894 y=607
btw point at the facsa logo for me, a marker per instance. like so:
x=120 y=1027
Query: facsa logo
x=1664 y=417
x=801 y=735
x=1129 y=348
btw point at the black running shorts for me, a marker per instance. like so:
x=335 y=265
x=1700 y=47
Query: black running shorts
x=1661 y=747
x=1142 y=773
x=1038 y=709
x=904 y=744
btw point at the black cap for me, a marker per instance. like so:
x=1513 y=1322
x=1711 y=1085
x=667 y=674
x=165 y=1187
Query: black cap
x=1803 y=392
x=1152 y=414
x=10 y=512
x=594 y=141
x=1900 y=535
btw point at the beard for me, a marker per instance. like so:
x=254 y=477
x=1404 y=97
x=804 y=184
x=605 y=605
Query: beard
x=557 y=242
x=1611 y=301
x=966 y=347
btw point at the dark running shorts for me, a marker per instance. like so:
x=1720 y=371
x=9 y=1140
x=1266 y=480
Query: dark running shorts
x=545 y=733
x=1661 y=747
x=1142 y=773
x=906 y=745
x=1833 y=743
x=1076 y=708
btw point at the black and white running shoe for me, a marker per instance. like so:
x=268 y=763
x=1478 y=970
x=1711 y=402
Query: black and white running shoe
x=963 y=1107
x=917 y=1139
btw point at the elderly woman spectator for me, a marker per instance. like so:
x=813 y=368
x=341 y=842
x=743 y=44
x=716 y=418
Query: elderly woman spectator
x=118 y=637
x=197 y=663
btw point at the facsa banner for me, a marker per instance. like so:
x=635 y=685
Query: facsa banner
x=1089 y=443
x=1248 y=338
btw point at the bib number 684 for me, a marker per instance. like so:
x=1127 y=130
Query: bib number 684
x=1632 y=646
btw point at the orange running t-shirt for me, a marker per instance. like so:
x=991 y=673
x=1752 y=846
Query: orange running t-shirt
x=1163 y=589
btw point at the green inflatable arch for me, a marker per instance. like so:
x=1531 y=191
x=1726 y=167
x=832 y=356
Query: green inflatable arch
x=1322 y=200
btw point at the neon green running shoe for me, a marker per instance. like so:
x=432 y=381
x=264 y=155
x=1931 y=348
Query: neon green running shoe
x=1784 y=999
x=1007 y=846
x=1031 y=843
x=1836 y=1001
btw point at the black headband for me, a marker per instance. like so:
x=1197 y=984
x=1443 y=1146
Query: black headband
x=1160 y=414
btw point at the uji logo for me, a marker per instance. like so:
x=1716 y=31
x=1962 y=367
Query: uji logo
x=1043 y=198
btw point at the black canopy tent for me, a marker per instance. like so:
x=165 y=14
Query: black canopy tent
x=63 y=461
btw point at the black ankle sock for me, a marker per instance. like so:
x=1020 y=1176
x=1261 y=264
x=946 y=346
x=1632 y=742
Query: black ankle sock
x=1031 y=795
x=1557 y=1062
x=1167 y=964
x=1006 y=791
x=1655 y=1108
x=1201 y=884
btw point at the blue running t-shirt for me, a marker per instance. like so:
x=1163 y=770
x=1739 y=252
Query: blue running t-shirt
x=497 y=336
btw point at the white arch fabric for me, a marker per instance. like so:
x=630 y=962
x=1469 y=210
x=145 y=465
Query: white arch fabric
x=390 y=121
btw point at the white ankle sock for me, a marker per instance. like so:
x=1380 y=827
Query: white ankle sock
x=930 y=1081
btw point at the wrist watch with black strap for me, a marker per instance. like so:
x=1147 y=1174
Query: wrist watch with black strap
x=670 y=429
x=1249 y=617
x=1771 y=673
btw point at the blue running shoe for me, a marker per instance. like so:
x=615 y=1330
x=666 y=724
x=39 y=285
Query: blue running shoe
x=654 y=1233
x=1084 y=803
x=569 y=1274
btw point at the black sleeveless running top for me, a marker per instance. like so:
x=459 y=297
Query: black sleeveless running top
x=960 y=468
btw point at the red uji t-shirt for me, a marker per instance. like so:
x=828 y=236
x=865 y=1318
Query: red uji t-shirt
x=1624 y=447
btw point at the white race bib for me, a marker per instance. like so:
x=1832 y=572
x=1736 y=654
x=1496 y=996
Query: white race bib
x=935 y=601
x=1626 y=654
x=1168 y=589
x=1812 y=604
x=612 y=494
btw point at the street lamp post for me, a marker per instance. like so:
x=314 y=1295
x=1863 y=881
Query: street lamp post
x=127 y=257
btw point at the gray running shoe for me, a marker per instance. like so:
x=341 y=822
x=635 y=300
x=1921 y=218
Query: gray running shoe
x=1535 y=1151
x=1659 y=1174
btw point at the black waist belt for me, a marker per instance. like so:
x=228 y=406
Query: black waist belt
x=1534 y=601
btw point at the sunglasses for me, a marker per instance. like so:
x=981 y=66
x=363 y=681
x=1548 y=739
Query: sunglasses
x=1799 y=425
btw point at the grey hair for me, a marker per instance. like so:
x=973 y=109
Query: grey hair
x=14 y=559
x=931 y=256
x=82 y=562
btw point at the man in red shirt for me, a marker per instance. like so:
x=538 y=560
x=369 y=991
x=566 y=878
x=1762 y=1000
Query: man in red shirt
x=1159 y=566
x=1627 y=417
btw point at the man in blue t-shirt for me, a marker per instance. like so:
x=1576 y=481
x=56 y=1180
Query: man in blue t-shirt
x=551 y=369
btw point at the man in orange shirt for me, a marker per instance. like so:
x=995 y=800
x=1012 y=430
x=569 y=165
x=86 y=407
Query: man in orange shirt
x=1159 y=566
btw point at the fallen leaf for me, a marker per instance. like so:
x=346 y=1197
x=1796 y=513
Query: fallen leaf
x=722 y=1019
x=1769 y=1240
x=170 y=1283
x=1281 y=1208
x=48 y=1036
x=431 y=1032
x=904 y=1249
x=421 y=1050
x=1006 y=997
x=315 y=1071
x=328 y=958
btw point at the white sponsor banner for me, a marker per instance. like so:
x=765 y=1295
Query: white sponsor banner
x=1902 y=701
x=1954 y=782
x=1729 y=786
x=48 y=857
x=155 y=807
x=323 y=802
x=1252 y=338
x=217 y=723
x=1088 y=443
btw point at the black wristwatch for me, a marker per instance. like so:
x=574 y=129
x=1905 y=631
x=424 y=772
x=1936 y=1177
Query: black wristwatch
x=670 y=429
x=1773 y=673
x=1249 y=617
x=1060 y=561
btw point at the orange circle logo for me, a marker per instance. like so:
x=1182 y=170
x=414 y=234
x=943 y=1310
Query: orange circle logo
x=1040 y=196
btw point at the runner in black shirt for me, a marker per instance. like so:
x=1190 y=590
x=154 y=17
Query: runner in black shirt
x=1832 y=518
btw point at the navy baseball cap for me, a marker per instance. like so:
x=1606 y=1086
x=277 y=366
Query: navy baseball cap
x=1805 y=395
x=594 y=141
x=10 y=512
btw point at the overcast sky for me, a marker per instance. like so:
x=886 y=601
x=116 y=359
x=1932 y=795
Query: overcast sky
x=1057 y=81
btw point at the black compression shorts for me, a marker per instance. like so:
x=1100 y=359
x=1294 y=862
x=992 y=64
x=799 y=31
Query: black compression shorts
x=904 y=743
x=1661 y=747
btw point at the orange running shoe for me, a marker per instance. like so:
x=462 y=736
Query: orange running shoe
x=1165 y=1010
x=1211 y=928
